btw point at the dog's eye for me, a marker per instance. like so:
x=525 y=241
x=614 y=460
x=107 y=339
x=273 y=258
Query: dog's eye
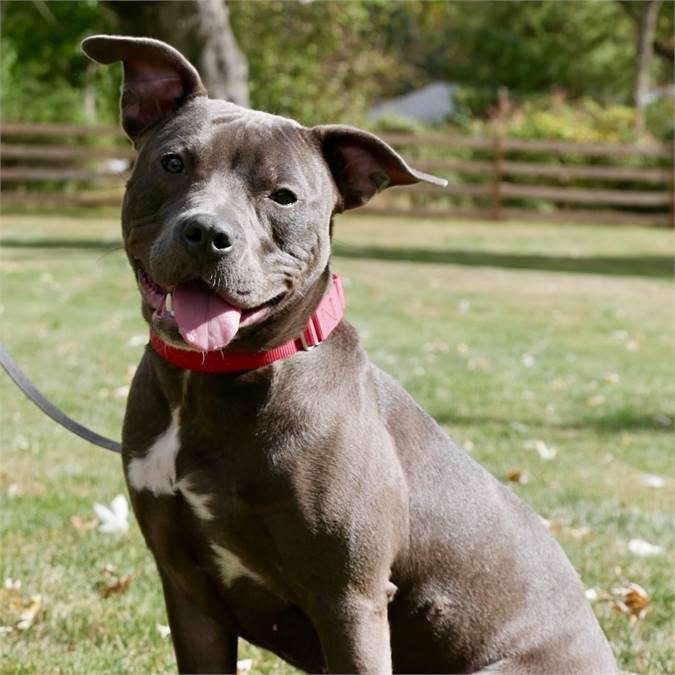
x=283 y=196
x=172 y=163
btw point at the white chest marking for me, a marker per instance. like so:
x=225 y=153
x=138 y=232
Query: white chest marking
x=156 y=471
x=231 y=567
x=200 y=503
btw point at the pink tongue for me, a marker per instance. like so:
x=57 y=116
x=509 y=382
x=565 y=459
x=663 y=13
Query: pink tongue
x=205 y=321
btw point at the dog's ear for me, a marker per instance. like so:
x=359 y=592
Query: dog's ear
x=362 y=164
x=157 y=78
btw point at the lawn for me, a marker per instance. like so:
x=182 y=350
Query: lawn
x=545 y=351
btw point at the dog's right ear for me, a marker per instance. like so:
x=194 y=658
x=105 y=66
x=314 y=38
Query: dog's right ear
x=157 y=78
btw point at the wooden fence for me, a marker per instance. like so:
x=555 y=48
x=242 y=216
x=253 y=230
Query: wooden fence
x=489 y=178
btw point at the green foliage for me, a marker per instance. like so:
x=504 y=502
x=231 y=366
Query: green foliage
x=330 y=61
x=660 y=118
x=398 y=124
x=583 y=121
x=45 y=77
x=317 y=62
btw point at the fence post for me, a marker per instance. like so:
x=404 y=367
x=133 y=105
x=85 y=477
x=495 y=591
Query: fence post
x=496 y=176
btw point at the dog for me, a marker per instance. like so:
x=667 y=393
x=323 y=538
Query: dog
x=290 y=491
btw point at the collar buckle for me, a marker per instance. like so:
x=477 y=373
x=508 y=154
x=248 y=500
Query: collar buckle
x=312 y=335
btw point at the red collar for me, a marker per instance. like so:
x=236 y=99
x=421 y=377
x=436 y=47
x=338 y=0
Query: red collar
x=326 y=317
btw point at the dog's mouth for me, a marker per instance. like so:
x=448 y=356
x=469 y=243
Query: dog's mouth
x=204 y=319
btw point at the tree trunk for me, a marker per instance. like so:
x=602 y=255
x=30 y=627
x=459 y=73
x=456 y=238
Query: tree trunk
x=199 y=30
x=649 y=11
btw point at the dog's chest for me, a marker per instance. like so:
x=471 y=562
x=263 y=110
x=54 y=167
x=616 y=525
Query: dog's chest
x=225 y=528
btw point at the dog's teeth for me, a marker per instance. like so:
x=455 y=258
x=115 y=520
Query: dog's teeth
x=168 y=304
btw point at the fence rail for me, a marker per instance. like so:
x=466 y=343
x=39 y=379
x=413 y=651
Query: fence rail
x=489 y=178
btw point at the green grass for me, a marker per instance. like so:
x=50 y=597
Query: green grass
x=505 y=333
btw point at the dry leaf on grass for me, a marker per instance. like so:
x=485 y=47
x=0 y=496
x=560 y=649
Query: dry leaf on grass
x=577 y=532
x=163 y=630
x=644 y=548
x=527 y=360
x=244 y=666
x=462 y=348
x=478 y=364
x=113 y=583
x=546 y=452
x=652 y=481
x=595 y=401
x=591 y=594
x=30 y=613
x=611 y=378
x=137 y=340
x=83 y=524
x=631 y=600
x=19 y=612
x=518 y=476
x=113 y=518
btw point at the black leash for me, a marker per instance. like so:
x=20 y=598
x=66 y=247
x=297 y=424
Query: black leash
x=26 y=386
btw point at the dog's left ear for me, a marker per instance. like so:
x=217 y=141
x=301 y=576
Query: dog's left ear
x=158 y=79
x=362 y=164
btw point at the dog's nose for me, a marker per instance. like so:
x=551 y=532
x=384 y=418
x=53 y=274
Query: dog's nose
x=207 y=234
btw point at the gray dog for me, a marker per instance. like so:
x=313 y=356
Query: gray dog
x=291 y=492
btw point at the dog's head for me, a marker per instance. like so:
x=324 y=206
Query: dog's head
x=226 y=217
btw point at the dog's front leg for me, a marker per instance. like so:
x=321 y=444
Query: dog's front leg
x=201 y=643
x=354 y=632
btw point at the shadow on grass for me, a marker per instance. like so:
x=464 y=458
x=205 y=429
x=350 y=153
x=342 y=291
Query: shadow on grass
x=614 y=422
x=51 y=243
x=644 y=266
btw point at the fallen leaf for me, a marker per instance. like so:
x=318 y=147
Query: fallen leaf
x=664 y=421
x=558 y=383
x=546 y=453
x=30 y=613
x=652 y=481
x=12 y=584
x=163 y=630
x=518 y=476
x=478 y=364
x=137 y=340
x=611 y=378
x=115 y=518
x=632 y=599
x=644 y=548
x=591 y=594
x=113 y=583
x=116 y=585
x=527 y=360
x=82 y=524
x=244 y=666
x=595 y=401
x=577 y=532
